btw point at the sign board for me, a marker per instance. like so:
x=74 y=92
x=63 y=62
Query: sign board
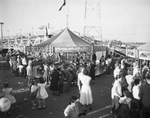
x=145 y=55
x=131 y=53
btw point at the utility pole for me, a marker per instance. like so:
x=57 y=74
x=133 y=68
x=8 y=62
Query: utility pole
x=1 y=23
x=8 y=40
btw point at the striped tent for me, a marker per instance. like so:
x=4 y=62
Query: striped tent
x=65 y=39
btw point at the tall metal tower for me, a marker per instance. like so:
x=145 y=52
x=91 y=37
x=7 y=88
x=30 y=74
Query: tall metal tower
x=92 y=19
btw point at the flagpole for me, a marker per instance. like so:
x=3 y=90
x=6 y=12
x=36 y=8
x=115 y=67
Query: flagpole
x=67 y=13
x=1 y=23
x=48 y=28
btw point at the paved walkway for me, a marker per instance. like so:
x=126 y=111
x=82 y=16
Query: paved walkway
x=56 y=104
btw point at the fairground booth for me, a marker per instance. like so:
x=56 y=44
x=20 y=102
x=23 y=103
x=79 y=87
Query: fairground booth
x=142 y=53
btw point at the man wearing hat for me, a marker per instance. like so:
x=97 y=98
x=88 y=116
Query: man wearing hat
x=55 y=78
x=68 y=77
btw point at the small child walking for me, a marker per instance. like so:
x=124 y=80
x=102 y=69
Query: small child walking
x=72 y=110
x=42 y=93
x=33 y=94
x=5 y=105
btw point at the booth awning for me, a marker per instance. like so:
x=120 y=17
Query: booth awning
x=144 y=51
x=145 y=47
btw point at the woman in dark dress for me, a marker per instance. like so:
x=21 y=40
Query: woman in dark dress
x=55 y=79
x=92 y=71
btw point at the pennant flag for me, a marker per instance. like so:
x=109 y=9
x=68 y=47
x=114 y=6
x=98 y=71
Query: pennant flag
x=62 y=5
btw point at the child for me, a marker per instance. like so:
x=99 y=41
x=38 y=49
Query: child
x=72 y=110
x=5 y=105
x=7 y=93
x=42 y=93
x=33 y=94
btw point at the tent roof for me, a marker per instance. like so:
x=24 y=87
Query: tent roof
x=145 y=47
x=65 y=38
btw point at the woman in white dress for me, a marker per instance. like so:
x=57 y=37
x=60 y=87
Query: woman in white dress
x=86 y=98
x=42 y=93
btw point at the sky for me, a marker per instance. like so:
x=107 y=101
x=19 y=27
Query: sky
x=124 y=20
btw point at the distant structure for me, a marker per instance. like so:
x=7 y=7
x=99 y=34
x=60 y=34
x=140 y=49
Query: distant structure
x=92 y=19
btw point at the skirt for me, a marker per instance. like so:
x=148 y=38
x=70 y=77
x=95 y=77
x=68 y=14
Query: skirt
x=86 y=95
x=11 y=98
x=42 y=94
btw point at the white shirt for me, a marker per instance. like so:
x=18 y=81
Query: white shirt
x=24 y=61
x=116 y=71
x=116 y=89
x=29 y=70
x=122 y=66
x=33 y=88
x=72 y=111
x=135 y=92
x=135 y=71
x=129 y=79
x=10 y=62
x=122 y=61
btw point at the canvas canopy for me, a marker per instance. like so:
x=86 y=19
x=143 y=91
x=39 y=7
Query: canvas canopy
x=145 y=47
x=64 y=39
x=144 y=51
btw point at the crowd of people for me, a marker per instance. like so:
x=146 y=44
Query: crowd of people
x=18 y=62
x=129 y=93
x=130 y=90
x=58 y=77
